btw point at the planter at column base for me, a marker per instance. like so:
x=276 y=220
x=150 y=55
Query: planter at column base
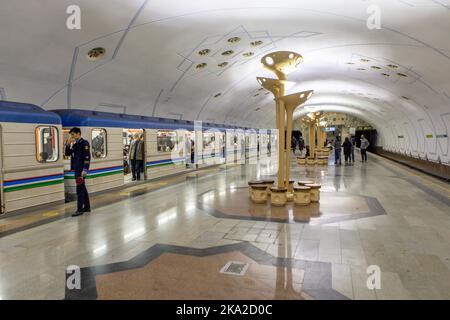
x=258 y=193
x=323 y=160
x=315 y=192
x=302 y=195
x=305 y=182
x=301 y=161
x=289 y=196
x=252 y=183
x=278 y=196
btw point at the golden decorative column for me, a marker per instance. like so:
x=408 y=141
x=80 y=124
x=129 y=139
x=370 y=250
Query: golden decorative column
x=282 y=63
x=291 y=102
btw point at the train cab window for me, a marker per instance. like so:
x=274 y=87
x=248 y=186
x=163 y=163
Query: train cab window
x=99 y=143
x=47 y=144
x=208 y=140
x=166 y=140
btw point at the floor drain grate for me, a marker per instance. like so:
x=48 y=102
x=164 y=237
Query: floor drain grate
x=235 y=268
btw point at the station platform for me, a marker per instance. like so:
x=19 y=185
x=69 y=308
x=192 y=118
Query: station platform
x=183 y=238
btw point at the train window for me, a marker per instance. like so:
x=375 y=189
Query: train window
x=99 y=143
x=46 y=144
x=208 y=140
x=166 y=140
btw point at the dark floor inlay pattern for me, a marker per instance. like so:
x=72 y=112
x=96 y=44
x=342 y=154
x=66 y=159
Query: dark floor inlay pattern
x=334 y=207
x=316 y=283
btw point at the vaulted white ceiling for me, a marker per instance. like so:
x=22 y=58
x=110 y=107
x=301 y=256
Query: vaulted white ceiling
x=152 y=52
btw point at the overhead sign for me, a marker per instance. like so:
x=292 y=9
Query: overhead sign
x=330 y=129
x=429 y=136
x=441 y=136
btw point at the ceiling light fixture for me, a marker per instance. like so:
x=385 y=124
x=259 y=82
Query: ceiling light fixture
x=227 y=53
x=204 y=52
x=234 y=40
x=201 y=65
x=96 y=54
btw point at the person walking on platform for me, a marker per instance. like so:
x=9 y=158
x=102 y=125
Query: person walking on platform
x=364 y=145
x=337 y=150
x=352 y=154
x=79 y=152
x=137 y=155
x=347 y=151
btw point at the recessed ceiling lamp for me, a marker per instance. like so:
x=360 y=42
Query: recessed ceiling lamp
x=96 y=54
x=256 y=94
x=360 y=69
x=204 y=52
x=385 y=74
x=402 y=75
x=247 y=54
x=350 y=63
x=375 y=67
x=364 y=60
x=217 y=95
x=234 y=40
x=201 y=65
x=257 y=109
x=393 y=66
x=405 y=97
x=222 y=64
x=256 y=43
x=227 y=53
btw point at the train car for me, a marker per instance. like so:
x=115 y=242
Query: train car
x=31 y=162
x=110 y=135
x=210 y=149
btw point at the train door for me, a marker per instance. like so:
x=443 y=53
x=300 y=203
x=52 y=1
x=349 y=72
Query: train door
x=2 y=205
x=190 y=149
x=133 y=167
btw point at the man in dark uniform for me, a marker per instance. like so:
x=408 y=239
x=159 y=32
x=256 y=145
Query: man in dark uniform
x=80 y=158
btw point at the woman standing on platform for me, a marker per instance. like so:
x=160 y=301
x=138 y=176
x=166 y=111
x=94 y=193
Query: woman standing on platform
x=347 y=151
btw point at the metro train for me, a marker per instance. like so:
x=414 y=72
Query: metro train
x=35 y=172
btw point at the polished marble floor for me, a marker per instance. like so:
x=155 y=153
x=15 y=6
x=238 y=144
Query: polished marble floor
x=174 y=241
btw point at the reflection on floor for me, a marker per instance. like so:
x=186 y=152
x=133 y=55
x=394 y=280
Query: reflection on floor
x=374 y=213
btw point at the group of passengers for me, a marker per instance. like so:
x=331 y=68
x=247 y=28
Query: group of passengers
x=349 y=149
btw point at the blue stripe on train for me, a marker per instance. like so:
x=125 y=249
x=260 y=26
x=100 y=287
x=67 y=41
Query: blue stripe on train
x=28 y=180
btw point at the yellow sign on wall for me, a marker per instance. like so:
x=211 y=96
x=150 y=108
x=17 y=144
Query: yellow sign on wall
x=429 y=136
